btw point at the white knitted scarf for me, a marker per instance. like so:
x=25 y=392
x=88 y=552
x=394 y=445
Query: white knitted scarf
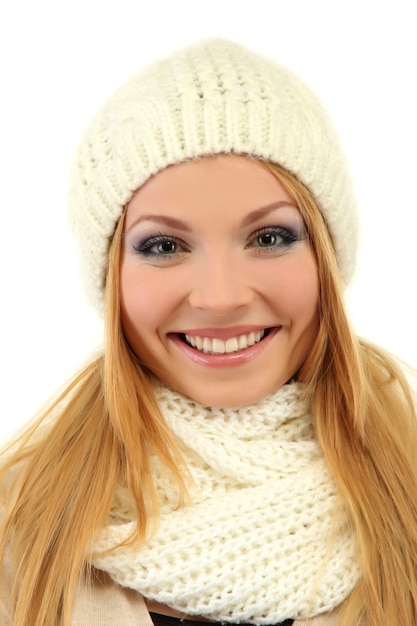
x=265 y=538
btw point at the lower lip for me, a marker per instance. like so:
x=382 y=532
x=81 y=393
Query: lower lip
x=231 y=359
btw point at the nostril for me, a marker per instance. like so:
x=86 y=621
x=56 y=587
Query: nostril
x=219 y=300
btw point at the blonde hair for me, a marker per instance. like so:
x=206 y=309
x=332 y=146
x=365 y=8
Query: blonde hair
x=367 y=425
x=106 y=424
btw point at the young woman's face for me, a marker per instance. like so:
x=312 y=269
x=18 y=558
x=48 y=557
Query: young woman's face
x=219 y=287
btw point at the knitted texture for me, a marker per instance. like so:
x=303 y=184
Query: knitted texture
x=265 y=538
x=214 y=97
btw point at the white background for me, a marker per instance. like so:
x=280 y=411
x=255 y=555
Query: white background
x=59 y=61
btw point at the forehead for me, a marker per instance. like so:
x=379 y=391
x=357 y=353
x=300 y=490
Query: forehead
x=224 y=182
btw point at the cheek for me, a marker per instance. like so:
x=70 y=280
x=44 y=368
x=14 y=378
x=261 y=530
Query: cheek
x=147 y=299
x=138 y=297
x=298 y=287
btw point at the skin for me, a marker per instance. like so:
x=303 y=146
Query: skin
x=216 y=248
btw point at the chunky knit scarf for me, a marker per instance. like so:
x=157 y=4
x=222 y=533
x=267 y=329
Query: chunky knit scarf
x=265 y=537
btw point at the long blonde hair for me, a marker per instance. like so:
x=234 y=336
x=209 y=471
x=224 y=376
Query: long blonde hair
x=59 y=478
x=367 y=425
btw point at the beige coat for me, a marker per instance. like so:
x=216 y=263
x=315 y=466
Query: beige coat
x=108 y=604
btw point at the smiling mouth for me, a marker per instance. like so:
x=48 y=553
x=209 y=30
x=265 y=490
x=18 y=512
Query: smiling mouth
x=215 y=345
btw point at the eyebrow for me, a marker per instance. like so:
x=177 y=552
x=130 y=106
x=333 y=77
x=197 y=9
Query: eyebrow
x=174 y=222
x=263 y=211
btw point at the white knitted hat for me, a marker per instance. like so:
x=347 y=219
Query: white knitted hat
x=213 y=97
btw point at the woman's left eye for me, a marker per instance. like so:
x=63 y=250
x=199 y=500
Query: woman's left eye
x=272 y=238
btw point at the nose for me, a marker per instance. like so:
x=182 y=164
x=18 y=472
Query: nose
x=220 y=288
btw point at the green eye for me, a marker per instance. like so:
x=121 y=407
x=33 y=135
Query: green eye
x=167 y=247
x=159 y=246
x=274 y=237
x=266 y=240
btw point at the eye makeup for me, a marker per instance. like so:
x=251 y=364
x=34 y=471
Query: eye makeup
x=159 y=245
x=275 y=237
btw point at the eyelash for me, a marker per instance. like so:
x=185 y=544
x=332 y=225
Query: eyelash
x=285 y=238
x=145 y=247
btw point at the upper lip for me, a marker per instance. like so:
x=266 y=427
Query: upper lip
x=223 y=333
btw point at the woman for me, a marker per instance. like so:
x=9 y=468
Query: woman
x=237 y=454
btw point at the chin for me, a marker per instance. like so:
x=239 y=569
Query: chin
x=229 y=398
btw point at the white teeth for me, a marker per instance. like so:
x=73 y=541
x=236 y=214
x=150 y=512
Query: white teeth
x=218 y=346
x=215 y=345
x=243 y=342
x=207 y=343
x=232 y=344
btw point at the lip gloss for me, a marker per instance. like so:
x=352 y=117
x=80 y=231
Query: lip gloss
x=231 y=359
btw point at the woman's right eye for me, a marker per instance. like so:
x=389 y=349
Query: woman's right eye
x=159 y=246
